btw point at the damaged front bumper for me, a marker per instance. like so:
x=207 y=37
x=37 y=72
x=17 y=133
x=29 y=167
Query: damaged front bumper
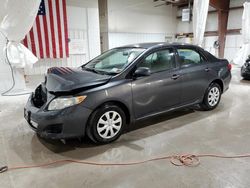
x=59 y=124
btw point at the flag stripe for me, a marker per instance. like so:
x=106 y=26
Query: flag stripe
x=45 y=30
x=55 y=28
x=59 y=28
x=52 y=28
x=28 y=41
x=62 y=30
x=42 y=36
x=39 y=37
x=65 y=27
x=36 y=40
x=49 y=29
x=25 y=42
x=32 y=41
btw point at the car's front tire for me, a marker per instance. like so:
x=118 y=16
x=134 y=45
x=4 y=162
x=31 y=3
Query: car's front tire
x=245 y=78
x=106 y=124
x=212 y=97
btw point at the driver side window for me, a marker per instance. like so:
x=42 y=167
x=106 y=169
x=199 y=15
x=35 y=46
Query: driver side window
x=159 y=61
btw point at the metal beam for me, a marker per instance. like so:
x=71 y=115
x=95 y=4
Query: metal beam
x=210 y=33
x=103 y=22
x=222 y=29
x=222 y=6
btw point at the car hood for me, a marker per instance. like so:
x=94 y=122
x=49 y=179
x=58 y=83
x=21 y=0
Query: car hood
x=64 y=79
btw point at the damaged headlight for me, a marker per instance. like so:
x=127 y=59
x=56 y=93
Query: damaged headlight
x=64 y=102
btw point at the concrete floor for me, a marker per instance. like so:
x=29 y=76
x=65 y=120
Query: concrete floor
x=225 y=130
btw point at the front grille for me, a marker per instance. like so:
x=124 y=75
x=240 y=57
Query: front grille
x=39 y=98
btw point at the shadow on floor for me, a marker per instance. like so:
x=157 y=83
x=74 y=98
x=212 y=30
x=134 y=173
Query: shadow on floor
x=83 y=149
x=245 y=81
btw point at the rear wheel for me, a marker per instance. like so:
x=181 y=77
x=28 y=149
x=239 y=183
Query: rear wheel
x=212 y=97
x=106 y=124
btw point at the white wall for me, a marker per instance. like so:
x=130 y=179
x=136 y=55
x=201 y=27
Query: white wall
x=135 y=21
x=93 y=32
x=186 y=27
x=234 y=42
x=83 y=23
x=120 y=39
x=142 y=21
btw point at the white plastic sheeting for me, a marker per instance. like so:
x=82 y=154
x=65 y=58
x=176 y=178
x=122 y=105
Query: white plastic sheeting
x=16 y=19
x=19 y=55
x=200 y=11
x=245 y=49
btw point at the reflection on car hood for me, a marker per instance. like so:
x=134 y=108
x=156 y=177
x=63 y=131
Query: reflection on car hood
x=64 y=79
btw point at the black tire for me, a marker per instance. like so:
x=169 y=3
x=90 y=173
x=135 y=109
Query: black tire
x=207 y=104
x=92 y=128
x=246 y=78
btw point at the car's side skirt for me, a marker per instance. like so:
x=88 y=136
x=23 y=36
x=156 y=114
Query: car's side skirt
x=169 y=110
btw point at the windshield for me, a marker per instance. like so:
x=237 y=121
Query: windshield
x=114 y=61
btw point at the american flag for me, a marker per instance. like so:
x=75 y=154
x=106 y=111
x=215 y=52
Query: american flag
x=48 y=38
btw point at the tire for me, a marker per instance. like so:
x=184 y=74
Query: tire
x=212 y=97
x=110 y=116
x=246 y=78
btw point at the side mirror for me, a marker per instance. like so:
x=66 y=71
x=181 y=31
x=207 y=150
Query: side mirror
x=142 y=71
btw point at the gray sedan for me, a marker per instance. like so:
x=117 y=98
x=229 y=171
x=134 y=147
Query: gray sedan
x=107 y=95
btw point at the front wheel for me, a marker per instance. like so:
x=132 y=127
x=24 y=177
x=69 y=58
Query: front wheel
x=106 y=124
x=212 y=97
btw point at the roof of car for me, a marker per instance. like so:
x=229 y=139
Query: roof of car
x=157 y=44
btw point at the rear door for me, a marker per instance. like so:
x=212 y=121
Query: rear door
x=160 y=90
x=195 y=74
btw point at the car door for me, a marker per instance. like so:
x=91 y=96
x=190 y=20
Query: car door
x=194 y=74
x=160 y=90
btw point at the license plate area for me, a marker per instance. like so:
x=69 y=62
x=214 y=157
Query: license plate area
x=33 y=124
x=27 y=115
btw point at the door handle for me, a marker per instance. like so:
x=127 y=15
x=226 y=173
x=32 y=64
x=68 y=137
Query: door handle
x=175 y=76
x=207 y=69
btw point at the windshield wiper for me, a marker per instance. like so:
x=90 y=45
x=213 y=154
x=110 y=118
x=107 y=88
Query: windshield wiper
x=91 y=70
x=111 y=73
x=99 y=71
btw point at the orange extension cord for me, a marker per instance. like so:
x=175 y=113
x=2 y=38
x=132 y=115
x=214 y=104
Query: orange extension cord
x=177 y=160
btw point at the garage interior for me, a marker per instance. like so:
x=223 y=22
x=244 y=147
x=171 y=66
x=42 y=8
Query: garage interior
x=95 y=26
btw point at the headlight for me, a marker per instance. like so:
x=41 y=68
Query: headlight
x=61 y=103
